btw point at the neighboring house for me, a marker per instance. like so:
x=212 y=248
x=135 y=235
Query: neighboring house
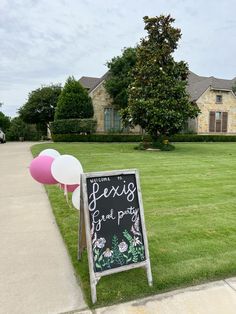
x=217 y=103
x=213 y=96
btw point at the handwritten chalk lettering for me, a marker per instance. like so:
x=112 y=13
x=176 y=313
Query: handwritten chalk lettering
x=99 y=180
x=112 y=191
x=130 y=211
x=98 y=220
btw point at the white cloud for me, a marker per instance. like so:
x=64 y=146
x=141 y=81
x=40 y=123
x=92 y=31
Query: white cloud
x=46 y=41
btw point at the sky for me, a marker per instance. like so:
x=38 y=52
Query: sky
x=44 y=42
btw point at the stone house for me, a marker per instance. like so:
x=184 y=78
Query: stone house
x=213 y=96
x=217 y=103
x=108 y=118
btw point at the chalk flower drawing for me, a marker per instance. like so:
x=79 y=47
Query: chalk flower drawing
x=123 y=246
x=129 y=250
x=136 y=241
x=135 y=228
x=100 y=243
x=108 y=253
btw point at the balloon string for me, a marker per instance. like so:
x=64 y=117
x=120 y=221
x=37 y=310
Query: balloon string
x=66 y=195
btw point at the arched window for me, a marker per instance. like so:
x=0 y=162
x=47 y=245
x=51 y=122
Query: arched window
x=112 y=120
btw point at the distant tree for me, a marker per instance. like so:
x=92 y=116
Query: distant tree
x=158 y=100
x=74 y=102
x=119 y=77
x=19 y=129
x=4 y=121
x=40 y=106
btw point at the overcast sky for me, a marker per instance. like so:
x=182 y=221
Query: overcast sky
x=45 y=41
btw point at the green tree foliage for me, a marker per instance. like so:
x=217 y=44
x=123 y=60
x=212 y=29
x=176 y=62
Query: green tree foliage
x=158 y=100
x=120 y=77
x=19 y=128
x=4 y=122
x=74 y=102
x=40 y=106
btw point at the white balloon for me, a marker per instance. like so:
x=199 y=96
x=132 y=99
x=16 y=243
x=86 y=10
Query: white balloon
x=76 y=198
x=50 y=152
x=67 y=169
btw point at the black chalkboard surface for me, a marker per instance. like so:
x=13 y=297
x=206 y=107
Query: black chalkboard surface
x=112 y=212
x=115 y=222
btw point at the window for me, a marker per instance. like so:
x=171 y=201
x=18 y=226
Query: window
x=112 y=120
x=218 y=121
x=107 y=119
x=219 y=99
x=218 y=115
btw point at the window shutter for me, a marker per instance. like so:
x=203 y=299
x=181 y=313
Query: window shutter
x=224 y=121
x=212 y=121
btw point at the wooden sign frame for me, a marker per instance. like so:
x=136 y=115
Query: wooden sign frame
x=85 y=233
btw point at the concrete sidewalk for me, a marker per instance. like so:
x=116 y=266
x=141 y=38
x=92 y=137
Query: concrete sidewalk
x=36 y=275
x=213 y=298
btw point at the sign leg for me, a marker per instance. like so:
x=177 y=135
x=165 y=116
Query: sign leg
x=149 y=273
x=93 y=292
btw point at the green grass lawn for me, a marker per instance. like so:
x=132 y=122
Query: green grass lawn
x=190 y=213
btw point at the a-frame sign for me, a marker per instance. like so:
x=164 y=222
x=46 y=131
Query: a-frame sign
x=112 y=224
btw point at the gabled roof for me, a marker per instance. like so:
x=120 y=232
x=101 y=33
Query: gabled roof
x=197 y=85
x=100 y=81
x=88 y=82
x=92 y=82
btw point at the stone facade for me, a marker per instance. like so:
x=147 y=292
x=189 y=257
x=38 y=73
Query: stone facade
x=207 y=103
x=213 y=96
x=101 y=101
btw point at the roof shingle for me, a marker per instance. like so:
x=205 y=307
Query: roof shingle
x=197 y=84
x=88 y=82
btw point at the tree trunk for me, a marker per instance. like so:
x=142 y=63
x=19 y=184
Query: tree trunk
x=154 y=137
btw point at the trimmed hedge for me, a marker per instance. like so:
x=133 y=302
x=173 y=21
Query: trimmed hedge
x=202 y=138
x=96 y=138
x=73 y=126
x=139 y=138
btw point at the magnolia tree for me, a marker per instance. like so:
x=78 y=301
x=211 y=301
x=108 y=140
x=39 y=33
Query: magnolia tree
x=158 y=100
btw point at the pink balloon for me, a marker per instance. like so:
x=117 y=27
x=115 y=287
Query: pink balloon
x=40 y=169
x=70 y=188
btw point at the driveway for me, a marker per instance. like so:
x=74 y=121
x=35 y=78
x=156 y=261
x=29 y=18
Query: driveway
x=36 y=275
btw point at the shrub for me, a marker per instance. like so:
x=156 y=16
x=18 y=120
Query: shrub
x=163 y=145
x=71 y=126
x=19 y=129
x=96 y=138
x=202 y=138
x=140 y=138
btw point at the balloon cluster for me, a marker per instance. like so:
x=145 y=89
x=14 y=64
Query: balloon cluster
x=50 y=167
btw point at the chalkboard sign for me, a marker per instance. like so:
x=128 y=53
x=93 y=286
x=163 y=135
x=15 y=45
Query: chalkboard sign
x=114 y=224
